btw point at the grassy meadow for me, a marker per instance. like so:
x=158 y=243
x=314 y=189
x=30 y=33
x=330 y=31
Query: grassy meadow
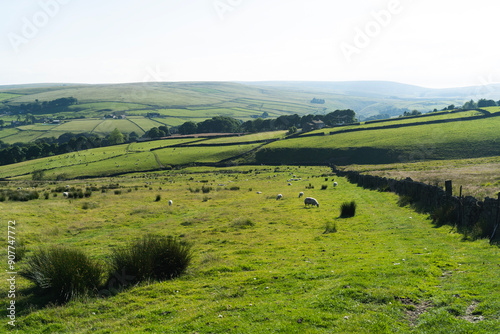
x=455 y=140
x=259 y=265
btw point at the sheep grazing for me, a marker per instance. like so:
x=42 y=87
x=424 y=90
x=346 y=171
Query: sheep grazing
x=311 y=201
x=289 y=184
x=335 y=184
x=301 y=194
x=170 y=203
x=66 y=194
x=279 y=197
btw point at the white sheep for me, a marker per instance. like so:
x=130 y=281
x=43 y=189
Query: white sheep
x=289 y=184
x=311 y=201
x=335 y=184
x=170 y=203
x=301 y=194
x=279 y=197
x=66 y=194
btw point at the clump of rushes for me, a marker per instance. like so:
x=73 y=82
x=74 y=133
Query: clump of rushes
x=65 y=273
x=151 y=258
x=348 y=209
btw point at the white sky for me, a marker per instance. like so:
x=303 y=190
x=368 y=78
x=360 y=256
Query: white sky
x=431 y=43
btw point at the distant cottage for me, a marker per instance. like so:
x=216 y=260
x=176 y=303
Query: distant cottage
x=313 y=125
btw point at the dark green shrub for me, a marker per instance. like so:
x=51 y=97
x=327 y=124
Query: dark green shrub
x=23 y=195
x=118 y=192
x=63 y=272
x=348 y=209
x=158 y=198
x=206 y=190
x=324 y=186
x=234 y=188
x=151 y=258
x=46 y=195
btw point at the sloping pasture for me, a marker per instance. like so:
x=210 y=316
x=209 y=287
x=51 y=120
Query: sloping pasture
x=262 y=265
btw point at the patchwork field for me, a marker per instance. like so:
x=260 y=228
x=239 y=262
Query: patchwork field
x=259 y=265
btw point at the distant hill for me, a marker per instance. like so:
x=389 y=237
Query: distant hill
x=246 y=100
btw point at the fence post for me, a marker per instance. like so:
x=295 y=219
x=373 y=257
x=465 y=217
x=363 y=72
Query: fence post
x=448 y=188
x=460 y=209
x=496 y=220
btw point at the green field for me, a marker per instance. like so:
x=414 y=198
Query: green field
x=455 y=140
x=7 y=96
x=260 y=265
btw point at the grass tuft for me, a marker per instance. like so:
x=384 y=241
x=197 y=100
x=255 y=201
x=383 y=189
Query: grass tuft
x=65 y=273
x=151 y=258
x=348 y=209
x=242 y=223
x=330 y=228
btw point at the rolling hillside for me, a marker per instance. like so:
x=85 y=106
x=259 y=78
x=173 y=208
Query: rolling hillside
x=419 y=139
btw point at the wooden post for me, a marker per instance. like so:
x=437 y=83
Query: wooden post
x=498 y=216
x=460 y=209
x=448 y=188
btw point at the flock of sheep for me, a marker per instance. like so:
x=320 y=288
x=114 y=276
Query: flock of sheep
x=308 y=200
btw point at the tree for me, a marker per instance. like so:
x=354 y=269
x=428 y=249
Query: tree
x=164 y=131
x=469 y=105
x=188 y=128
x=116 y=137
x=133 y=136
x=483 y=103
x=292 y=130
x=38 y=175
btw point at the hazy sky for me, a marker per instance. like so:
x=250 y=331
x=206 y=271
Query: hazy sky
x=432 y=43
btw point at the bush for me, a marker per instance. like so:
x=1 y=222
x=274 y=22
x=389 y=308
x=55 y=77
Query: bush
x=46 y=195
x=66 y=273
x=22 y=195
x=348 y=209
x=206 y=190
x=324 y=186
x=234 y=188
x=118 y=192
x=151 y=258
x=158 y=198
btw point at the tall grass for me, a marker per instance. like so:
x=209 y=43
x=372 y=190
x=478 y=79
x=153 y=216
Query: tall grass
x=348 y=209
x=63 y=272
x=151 y=258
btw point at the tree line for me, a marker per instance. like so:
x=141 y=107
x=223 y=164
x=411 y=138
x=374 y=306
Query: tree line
x=70 y=142
x=225 y=124
x=37 y=107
